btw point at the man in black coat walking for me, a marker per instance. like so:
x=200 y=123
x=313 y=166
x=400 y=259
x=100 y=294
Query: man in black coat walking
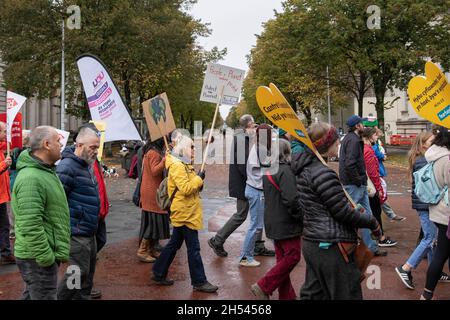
x=236 y=186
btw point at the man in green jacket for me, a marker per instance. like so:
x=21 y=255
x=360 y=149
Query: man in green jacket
x=42 y=216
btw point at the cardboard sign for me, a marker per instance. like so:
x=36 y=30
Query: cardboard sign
x=101 y=126
x=430 y=95
x=16 y=130
x=158 y=116
x=217 y=77
x=277 y=109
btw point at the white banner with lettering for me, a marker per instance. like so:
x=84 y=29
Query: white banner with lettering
x=104 y=100
x=14 y=102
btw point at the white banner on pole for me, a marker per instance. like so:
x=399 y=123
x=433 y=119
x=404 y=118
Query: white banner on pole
x=13 y=104
x=104 y=100
x=218 y=76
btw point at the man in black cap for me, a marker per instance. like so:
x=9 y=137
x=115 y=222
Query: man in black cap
x=352 y=172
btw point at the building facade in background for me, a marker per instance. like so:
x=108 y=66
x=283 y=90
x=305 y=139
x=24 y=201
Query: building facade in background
x=40 y=112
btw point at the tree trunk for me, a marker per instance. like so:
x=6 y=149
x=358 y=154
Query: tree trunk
x=380 y=90
x=361 y=92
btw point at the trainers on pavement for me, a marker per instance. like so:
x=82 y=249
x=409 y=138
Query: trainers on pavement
x=163 y=281
x=398 y=218
x=264 y=252
x=96 y=294
x=380 y=253
x=218 y=249
x=387 y=242
x=406 y=277
x=206 y=287
x=444 y=277
x=257 y=291
x=251 y=263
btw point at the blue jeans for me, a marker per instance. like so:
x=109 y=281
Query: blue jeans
x=255 y=199
x=360 y=196
x=387 y=209
x=196 y=269
x=425 y=246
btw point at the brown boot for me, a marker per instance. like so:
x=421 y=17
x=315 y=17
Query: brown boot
x=143 y=254
x=151 y=248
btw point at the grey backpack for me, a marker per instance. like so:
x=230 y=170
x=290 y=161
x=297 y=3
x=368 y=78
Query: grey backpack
x=162 y=194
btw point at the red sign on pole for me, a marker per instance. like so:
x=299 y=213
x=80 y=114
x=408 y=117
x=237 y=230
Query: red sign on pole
x=16 y=131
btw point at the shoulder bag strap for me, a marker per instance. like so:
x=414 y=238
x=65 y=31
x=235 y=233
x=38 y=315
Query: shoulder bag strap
x=273 y=181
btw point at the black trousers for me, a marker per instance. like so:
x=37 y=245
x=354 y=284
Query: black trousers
x=328 y=276
x=375 y=206
x=441 y=254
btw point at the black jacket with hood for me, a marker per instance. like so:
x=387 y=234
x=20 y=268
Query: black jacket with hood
x=327 y=214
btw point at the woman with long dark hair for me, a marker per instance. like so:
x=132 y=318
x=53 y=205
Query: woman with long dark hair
x=154 y=221
x=373 y=173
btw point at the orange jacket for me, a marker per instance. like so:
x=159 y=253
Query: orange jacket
x=5 y=193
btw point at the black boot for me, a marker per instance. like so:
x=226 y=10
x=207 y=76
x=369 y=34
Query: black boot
x=261 y=250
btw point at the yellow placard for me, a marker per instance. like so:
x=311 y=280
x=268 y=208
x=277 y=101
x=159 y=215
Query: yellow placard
x=101 y=126
x=430 y=95
x=277 y=109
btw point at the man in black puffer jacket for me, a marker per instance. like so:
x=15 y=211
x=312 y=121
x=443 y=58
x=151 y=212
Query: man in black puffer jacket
x=328 y=222
x=78 y=178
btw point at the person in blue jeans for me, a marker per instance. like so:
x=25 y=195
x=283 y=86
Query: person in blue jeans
x=257 y=160
x=352 y=173
x=381 y=156
x=426 y=246
x=186 y=215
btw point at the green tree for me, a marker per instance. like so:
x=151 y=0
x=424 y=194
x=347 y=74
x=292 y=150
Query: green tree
x=148 y=46
x=336 y=33
x=277 y=58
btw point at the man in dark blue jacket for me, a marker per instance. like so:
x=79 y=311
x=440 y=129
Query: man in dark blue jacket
x=76 y=173
x=352 y=173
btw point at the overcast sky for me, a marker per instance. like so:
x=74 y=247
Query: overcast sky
x=234 y=24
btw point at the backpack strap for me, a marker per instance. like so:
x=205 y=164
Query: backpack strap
x=273 y=181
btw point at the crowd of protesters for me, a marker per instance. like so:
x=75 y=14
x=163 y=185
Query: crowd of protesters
x=59 y=203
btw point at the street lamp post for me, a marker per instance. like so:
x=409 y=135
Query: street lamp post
x=63 y=80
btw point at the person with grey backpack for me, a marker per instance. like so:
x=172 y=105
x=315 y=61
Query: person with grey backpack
x=439 y=154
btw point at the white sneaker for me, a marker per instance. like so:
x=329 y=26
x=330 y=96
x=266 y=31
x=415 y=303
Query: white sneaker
x=247 y=263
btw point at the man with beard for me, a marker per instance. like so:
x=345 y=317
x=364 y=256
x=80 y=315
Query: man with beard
x=352 y=173
x=77 y=175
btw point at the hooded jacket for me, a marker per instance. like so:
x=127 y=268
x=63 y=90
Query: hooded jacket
x=82 y=193
x=440 y=213
x=327 y=214
x=42 y=222
x=282 y=216
x=186 y=208
x=5 y=192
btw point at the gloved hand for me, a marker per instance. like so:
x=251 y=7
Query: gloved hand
x=201 y=174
